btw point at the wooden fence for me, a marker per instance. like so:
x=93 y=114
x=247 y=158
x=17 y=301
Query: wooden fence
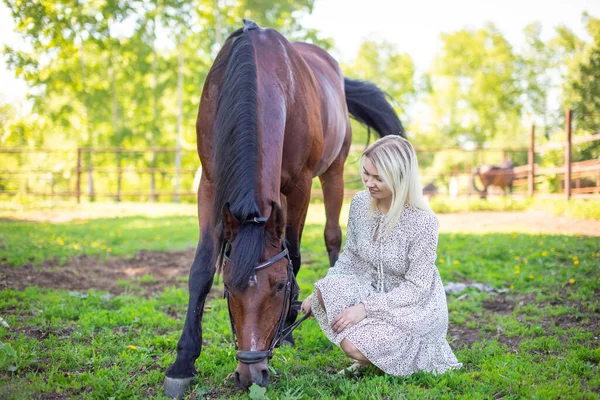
x=78 y=171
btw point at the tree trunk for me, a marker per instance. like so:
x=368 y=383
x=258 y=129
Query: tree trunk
x=88 y=131
x=179 y=118
x=115 y=124
x=153 y=196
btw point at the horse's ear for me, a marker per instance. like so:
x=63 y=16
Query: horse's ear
x=231 y=225
x=276 y=221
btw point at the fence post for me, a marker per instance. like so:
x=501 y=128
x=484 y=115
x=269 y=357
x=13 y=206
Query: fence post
x=78 y=187
x=531 y=161
x=568 y=116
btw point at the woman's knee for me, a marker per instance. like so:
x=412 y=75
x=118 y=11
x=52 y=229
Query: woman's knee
x=350 y=349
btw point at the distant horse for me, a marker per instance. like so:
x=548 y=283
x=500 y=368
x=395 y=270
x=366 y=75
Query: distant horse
x=273 y=115
x=501 y=175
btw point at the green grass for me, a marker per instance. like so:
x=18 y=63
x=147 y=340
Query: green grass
x=577 y=208
x=443 y=204
x=93 y=345
x=34 y=242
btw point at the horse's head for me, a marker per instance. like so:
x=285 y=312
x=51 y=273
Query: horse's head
x=259 y=290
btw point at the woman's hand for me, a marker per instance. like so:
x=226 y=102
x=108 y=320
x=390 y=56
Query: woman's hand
x=306 y=305
x=349 y=317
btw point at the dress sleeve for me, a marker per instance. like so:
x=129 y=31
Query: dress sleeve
x=349 y=262
x=420 y=276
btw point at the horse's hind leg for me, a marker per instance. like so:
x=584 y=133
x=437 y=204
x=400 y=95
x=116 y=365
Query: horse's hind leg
x=332 y=182
x=180 y=374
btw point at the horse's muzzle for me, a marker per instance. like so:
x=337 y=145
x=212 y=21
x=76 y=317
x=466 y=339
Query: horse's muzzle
x=248 y=374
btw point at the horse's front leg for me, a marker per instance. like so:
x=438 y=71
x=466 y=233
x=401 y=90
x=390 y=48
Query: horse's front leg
x=182 y=372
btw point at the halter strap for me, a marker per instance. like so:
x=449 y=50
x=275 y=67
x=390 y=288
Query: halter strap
x=256 y=220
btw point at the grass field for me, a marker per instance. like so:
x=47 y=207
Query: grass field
x=541 y=339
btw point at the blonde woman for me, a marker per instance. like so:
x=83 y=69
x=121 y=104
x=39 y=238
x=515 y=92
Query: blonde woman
x=383 y=301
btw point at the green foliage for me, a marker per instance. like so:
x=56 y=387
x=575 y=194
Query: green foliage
x=382 y=64
x=475 y=88
x=105 y=74
x=582 y=88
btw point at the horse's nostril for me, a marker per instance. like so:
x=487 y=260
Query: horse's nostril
x=265 y=376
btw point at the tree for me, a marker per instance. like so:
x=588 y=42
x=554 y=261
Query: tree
x=474 y=85
x=537 y=65
x=393 y=72
x=582 y=88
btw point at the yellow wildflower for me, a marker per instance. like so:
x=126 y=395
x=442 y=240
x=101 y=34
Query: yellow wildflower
x=517 y=272
x=512 y=287
x=571 y=281
x=544 y=253
x=531 y=276
x=576 y=262
x=60 y=241
x=456 y=262
x=132 y=347
x=442 y=261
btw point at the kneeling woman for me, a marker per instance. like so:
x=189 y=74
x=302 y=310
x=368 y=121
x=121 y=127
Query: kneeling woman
x=383 y=301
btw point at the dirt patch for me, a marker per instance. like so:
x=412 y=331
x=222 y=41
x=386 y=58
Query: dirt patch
x=531 y=221
x=35 y=332
x=159 y=269
x=499 y=304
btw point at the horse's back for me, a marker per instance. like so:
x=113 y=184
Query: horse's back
x=326 y=70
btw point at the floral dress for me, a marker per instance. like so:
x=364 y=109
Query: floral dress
x=394 y=275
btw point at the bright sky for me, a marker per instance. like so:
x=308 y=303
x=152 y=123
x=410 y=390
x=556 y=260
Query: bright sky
x=414 y=26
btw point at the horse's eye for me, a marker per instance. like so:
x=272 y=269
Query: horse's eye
x=280 y=286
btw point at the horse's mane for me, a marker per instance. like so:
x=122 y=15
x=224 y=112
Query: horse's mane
x=235 y=154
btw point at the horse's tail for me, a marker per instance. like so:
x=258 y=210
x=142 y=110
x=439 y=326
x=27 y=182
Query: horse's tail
x=476 y=173
x=368 y=105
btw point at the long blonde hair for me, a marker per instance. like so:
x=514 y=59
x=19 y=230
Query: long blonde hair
x=396 y=163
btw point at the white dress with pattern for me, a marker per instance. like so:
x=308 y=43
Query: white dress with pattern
x=395 y=277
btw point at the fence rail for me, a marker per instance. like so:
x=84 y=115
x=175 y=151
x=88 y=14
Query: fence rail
x=77 y=168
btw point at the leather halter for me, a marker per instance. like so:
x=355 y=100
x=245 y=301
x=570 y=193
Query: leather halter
x=290 y=305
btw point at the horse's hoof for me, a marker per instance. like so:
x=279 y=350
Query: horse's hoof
x=175 y=388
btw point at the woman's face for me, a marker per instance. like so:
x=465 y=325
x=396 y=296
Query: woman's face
x=378 y=189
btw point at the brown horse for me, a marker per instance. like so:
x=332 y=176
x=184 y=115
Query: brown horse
x=273 y=115
x=501 y=175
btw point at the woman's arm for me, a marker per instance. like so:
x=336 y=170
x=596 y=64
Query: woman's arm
x=419 y=277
